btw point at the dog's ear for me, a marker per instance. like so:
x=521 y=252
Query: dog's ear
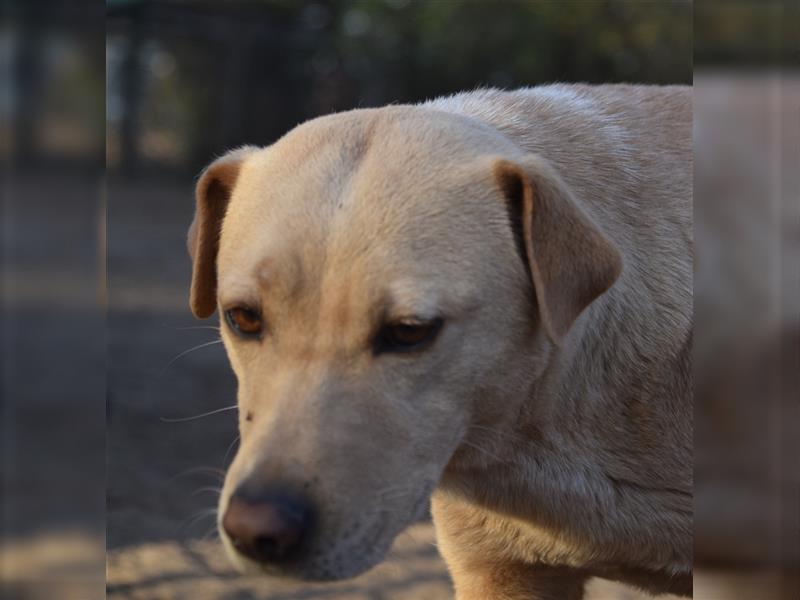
x=211 y=195
x=571 y=262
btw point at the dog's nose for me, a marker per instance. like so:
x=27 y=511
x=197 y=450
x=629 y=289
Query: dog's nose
x=267 y=528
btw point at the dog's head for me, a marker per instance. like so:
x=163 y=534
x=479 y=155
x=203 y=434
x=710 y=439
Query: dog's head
x=387 y=280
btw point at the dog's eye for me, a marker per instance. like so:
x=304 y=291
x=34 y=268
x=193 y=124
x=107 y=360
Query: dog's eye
x=244 y=321
x=407 y=335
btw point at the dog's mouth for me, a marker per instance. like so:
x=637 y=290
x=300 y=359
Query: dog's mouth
x=357 y=544
x=354 y=551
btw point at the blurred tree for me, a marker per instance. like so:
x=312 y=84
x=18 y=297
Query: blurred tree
x=748 y=33
x=249 y=71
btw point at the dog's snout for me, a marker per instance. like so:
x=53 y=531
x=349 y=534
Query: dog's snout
x=267 y=528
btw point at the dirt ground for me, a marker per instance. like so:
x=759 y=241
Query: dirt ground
x=197 y=569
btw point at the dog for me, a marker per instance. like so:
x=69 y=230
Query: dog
x=482 y=304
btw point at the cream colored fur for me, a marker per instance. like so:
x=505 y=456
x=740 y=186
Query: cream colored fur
x=552 y=417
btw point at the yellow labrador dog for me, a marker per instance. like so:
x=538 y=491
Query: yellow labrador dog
x=483 y=301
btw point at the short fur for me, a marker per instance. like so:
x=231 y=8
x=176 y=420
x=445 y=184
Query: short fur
x=551 y=228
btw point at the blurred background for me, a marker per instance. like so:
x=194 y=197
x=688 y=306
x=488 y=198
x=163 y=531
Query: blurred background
x=747 y=299
x=186 y=80
x=108 y=112
x=52 y=288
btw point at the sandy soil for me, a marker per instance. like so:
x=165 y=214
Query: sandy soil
x=197 y=569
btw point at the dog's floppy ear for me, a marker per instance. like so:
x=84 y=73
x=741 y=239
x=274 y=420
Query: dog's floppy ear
x=211 y=194
x=571 y=262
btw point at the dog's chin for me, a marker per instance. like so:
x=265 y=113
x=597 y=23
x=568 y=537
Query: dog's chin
x=342 y=561
x=241 y=563
x=342 y=555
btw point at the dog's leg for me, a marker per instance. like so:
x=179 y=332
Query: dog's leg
x=518 y=582
x=484 y=564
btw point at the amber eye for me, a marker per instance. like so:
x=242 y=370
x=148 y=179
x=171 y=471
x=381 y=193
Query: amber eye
x=407 y=335
x=246 y=322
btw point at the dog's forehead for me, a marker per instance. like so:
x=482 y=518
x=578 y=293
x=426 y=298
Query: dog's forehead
x=373 y=160
x=405 y=140
x=375 y=188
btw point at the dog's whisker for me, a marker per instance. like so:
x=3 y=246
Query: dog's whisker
x=196 y=518
x=483 y=450
x=216 y=490
x=212 y=327
x=203 y=512
x=185 y=352
x=228 y=451
x=219 y=473
x=212 y=533
x=395 y=492
x=207 y=414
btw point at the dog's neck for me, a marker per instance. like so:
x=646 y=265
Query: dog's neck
x=558 y=464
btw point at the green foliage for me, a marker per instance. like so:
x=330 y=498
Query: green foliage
x=755 y=33
x=249 y=71
x=458 y=44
